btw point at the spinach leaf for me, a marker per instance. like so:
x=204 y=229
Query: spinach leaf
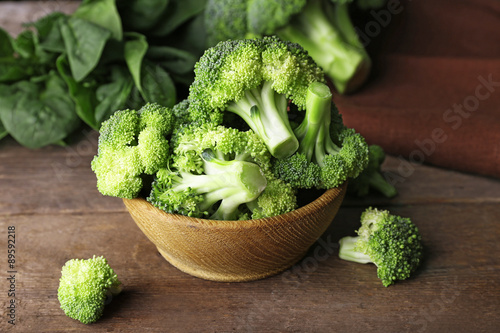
x=6 y=47
x=84 y=43
x=172 y=59
x=141 y=15
x=38 y=114
x=3 y=131
x=157 y=85
x=134 y=52
x=24 y=44
x=102 y=13
x=11 y=69
x=114 y=95
x=178 y=12
x=83 y=95
x=49 y=30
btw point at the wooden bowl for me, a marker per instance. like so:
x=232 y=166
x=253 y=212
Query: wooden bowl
x=236 y=251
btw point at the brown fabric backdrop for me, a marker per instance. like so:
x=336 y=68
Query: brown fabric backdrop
x=434 y=93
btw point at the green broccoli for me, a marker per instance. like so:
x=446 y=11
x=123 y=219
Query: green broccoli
x=85 y=287
x=391 y=242
x=254 y=79
x=228 y=183
x=277 y=198
x=323 y=28
x=132 y=144
x=215 y=170
x=328 y=153
x=371 y=177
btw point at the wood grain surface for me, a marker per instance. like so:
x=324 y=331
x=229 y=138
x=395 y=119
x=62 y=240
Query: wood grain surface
x=49 y=196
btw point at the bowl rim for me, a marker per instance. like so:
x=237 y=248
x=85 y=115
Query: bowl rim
x=319 y=203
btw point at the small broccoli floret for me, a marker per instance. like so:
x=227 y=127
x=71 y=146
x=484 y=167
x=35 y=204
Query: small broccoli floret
x=391 y=242
x=371 y=177
x=217 y=193
x=85 y=287
x=277 y=198
x=322 y=27
x=254 y=79
x=320 y=162
x=131 y=145
x=227 y=143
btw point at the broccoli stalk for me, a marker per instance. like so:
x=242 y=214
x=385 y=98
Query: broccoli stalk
x=232 y=183
x=331 y=42
x=391 y=242
x=320 y=162
x=85 y=287
x=314 y=131
x=265 y=111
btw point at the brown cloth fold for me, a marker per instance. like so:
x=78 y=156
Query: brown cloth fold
x=434 y=93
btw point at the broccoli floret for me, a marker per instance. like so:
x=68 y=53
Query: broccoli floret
x=131 y=144
x=191 y=184
x=328 y=153
x=277 y=198
x=181 y=114
x=371 y=177
x=227 y=143
x=226 y=183
x=85 y=287
x=321 y=27
x=391 y=242
x=254 y=79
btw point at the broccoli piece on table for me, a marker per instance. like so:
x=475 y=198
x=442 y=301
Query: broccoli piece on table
x=391 y=242
x=328 y=153
x=371 y=177
x=132 y=144
x=323 y=28
x=85 y=287
x=255 y=79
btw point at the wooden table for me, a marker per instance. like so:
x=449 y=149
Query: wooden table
x=48 y=198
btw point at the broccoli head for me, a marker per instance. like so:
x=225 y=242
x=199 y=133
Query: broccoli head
x=217 y=193
x=322 y=27
x=221 y=173
x=277 y=198
x=85 y=287
x=371 y=177
x=328 y=153
x=255 y=79
x=131 y=144
x=393 y=243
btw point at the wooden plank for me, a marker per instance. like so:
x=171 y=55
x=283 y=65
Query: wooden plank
x=457 y=289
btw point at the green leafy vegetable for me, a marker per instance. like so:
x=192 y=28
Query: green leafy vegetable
x=107 y=55
x=38 y=114
x=102 y=13
x=84 y=42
